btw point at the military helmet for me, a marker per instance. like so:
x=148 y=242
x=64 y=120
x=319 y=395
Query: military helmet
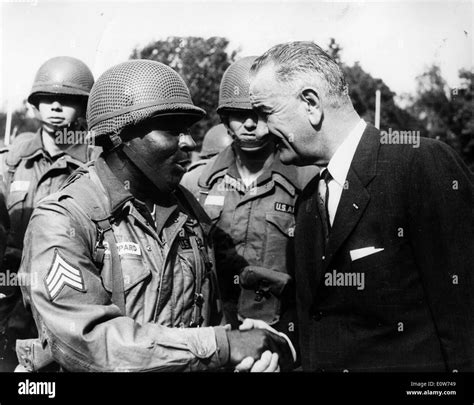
x=234 y=89
x=62 y=75
x=134 y=91
x=215 y=141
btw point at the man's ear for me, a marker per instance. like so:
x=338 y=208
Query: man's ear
x=313 y=105
x=225 y=121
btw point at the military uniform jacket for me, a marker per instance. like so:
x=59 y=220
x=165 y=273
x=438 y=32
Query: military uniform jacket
x=252 y=229
x=71 y=294
x=31 y=174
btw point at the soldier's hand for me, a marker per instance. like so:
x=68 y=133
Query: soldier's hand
x=253 y=343
x=249 y=323
x=268 y=363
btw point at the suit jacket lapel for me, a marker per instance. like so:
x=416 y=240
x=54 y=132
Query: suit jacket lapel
x=355 y=197
x=352 y=205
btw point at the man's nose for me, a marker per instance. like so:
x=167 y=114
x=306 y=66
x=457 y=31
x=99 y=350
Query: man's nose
x=186 y=142
x=56 y=106
x=250 y=124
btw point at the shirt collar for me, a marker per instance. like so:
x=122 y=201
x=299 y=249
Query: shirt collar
x=118 y=196
x=35 y=147
x=116 y=191
x=225 y=163
x=340 y=162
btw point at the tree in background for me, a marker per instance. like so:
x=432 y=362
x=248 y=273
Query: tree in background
x=362 y=87
x=435 y=110
x=462 y=120
x=21 y=122
x=201 y=62
x=447 y=113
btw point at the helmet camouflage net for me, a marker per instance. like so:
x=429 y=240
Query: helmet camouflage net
x=234 y=89
x=134 y=91
x=62 y=75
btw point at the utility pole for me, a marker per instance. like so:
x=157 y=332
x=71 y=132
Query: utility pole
x=377 y=109
x=8 y=124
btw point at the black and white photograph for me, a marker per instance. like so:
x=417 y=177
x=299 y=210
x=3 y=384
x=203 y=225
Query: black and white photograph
x=228 y=188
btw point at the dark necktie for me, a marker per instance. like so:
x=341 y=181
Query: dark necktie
x=323 y=199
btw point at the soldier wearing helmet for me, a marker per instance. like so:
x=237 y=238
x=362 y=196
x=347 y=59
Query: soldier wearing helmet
x=214 y=142
x=250 y=198
x=123 y=254
x=36 y=165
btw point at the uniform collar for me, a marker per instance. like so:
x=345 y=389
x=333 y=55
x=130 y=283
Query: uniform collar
x=118 y=196
x=35 y=147
x=285 y=175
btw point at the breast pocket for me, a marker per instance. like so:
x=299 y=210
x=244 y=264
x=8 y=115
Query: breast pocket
x=280 y=230
x=389 y=275
x=136 y=277
x=16 y=198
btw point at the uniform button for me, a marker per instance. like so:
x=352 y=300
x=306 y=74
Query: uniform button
x=148 y=247
x=323 y=258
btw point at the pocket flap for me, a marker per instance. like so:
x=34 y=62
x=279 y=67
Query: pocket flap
x=133 y=270
x=15 y=197
x=285 y=223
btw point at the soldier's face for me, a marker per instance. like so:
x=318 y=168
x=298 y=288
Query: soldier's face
x=284 y=116
x=166 y=147
x=242 y=125
x=60 y=110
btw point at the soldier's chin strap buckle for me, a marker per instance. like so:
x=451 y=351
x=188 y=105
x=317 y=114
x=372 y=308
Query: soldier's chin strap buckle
x=197 y=320
x=99 y=248
x=198 y=299
x=116 y=140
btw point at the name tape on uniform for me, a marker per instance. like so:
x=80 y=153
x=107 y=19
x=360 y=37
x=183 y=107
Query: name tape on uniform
x=128 y=248
x=19 y=185
x=282 y=207
x=214 y=200
x=125 y=248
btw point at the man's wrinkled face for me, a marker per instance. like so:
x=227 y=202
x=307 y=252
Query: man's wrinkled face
x=284 y=114
x=242 y=125
x=165 y=146
x=60 y=110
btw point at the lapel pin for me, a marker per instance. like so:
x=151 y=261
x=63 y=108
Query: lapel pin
x=355 y=206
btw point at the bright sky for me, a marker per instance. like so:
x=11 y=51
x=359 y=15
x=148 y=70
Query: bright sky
x=393 y=40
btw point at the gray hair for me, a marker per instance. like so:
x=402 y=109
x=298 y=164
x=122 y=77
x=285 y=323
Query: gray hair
x=304 y=60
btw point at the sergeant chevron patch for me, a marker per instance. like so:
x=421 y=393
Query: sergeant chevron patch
x=60 y=274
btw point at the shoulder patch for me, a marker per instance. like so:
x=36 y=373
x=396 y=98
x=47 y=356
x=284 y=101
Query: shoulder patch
x=61 y=274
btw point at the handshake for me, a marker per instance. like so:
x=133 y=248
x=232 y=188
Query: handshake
x=257 y=347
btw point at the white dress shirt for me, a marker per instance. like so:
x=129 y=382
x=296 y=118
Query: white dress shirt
x=339 y=165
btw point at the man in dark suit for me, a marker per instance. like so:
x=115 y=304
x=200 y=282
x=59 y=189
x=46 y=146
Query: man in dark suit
x=384 y=236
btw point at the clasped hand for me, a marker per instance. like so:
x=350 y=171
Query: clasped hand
x=257 y=347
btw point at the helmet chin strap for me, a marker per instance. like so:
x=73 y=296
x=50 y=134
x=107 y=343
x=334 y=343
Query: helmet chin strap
x=55 y=127
x=151 y=174
x=78 y=124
